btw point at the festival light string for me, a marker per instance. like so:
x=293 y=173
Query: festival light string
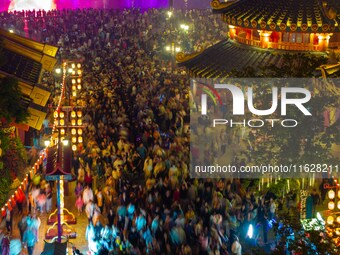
x=19 y=193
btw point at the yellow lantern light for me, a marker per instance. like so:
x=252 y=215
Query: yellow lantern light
x=330 y=220
x=62 y=131
x=73 y=72
x=74 y=139
x=62 y=122
x=73 y=114
x=79 y=72
x=80 y=131
x=339 y=193
x=79 y=114
x=331 y=205
x=74 y=93
x=74 y=147
x=73 y=81
x=73 y=122
x=61 y=114
x=79 y=87
x=80 y=139
x=73 y=65
x=331 y=194
x=73 y=131
x=74 y=87
x=338 y=219
x=78 y=80
x=79 y=122
x=338 y=205
x=79 y=65
x=55 y=114
x=70 y=70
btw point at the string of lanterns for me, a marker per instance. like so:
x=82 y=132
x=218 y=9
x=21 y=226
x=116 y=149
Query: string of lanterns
x=19 y=194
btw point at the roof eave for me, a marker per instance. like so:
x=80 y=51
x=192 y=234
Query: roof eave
x=219 y=7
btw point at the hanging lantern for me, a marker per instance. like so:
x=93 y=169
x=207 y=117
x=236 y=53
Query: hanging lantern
x=62 y=131
x=73 y=81
x=338 y=205
x=330 y=220
x=73 y=131
x=73 y=65
x=331 y=205
x=9 y=206
x=79 y=87
x=73 y=114
x=79 y=72
x=80 y=131
x=73 y=72
x=79 y=65
x=339 y=193
x=73 y=122
x=74 y=94
x=78 y=80
x=55 y=114
x=74 y=139
x=331 y=194
x=74 y=147
x=79 y=122
x=338 y=219
x=79 y=114
x=3 y=212
x=80 y=139
x=62 y=122
x=74 y=87
x=61 y=114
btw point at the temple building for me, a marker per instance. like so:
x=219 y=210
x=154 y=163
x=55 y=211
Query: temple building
x=260 y=32
x=25 y=60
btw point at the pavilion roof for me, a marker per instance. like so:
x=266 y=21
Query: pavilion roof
x=227 y=56
x=310 y=16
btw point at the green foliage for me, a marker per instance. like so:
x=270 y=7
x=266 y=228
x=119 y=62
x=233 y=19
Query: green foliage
x=5 y=142
x=20 y=149
x=5 y=185
x=311 y=242
x=10 y=101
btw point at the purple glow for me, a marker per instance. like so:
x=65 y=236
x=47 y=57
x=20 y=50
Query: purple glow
x=109 y=4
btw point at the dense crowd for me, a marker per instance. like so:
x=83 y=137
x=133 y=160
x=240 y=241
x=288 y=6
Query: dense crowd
x=136 y=145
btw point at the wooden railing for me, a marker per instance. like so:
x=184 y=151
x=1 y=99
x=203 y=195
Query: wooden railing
x=281 y=45
x=293 y=46
x=334 y=45
x=243 y=40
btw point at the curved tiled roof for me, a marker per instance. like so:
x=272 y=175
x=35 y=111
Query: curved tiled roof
x=309 y=16
x=227 y=56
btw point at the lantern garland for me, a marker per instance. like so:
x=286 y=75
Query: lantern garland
x=19 y=194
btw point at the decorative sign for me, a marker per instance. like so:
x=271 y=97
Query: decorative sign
x=303 y=199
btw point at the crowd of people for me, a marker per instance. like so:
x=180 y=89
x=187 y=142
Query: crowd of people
x=132 y=170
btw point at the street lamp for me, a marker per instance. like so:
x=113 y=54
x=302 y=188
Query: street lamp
x=47 y=143
x=169 y=13
x=184 y=27
x=172 y=50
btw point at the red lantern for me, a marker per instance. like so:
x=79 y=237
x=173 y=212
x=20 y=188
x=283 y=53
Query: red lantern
x=16 y=195
x=3 y=212
x=13 y=203
x=9 y=206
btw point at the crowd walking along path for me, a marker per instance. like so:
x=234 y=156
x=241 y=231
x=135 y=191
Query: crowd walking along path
x=80 y=227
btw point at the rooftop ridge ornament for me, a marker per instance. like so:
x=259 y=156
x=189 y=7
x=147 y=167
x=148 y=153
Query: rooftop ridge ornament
x=182 y=57
x=217 y=5
x=329 y=11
